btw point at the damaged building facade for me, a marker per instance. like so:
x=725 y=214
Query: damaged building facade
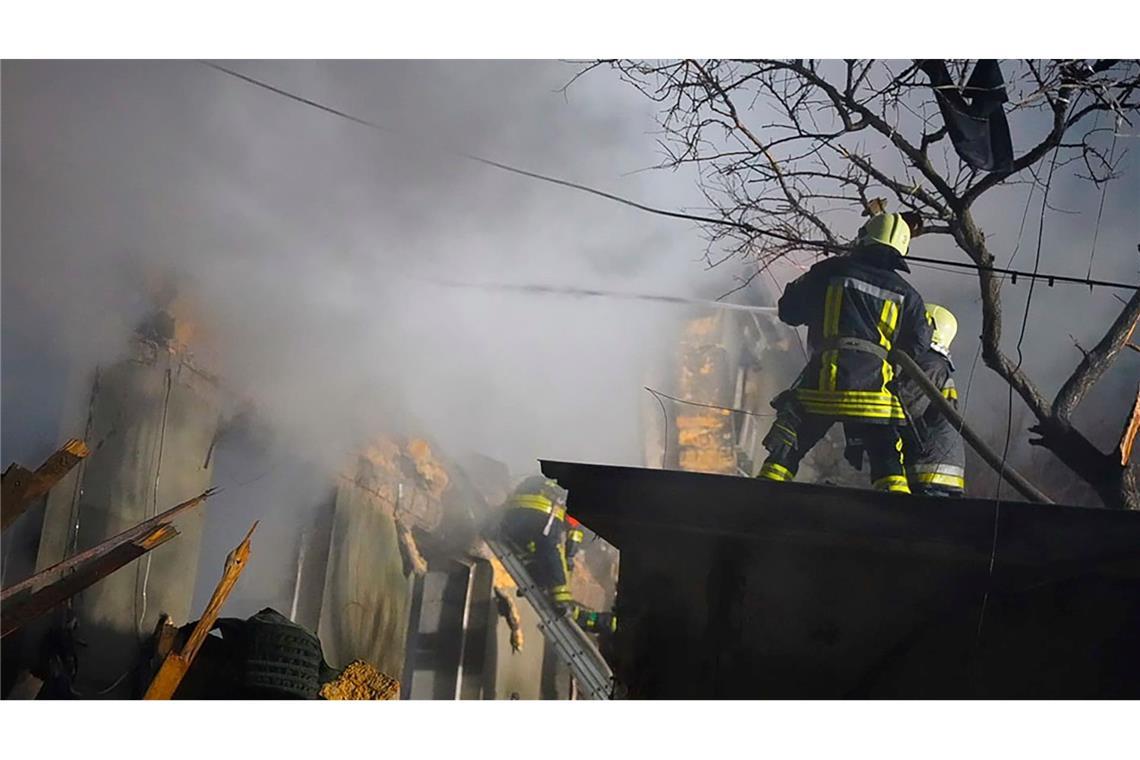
x=717 y=388
x=391 y=573
x=393 y=593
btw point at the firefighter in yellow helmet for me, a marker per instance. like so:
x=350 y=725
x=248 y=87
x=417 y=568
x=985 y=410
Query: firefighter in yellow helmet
x=534 y=526
x=538 y=530
x=933 y=450
x=857 y=308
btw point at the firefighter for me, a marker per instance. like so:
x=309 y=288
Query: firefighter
x=534 y=528
x=933 y=450
x=857 y=309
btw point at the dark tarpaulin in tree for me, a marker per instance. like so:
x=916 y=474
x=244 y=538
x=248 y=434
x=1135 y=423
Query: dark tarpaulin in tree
x=974 y=115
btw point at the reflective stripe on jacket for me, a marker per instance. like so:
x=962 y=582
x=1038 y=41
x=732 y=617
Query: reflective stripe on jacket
x=857 y=308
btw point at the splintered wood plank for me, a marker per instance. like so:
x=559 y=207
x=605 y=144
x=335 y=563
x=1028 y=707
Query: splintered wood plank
x=27 y=600
x=1131 y=428
x=21 y=487
x=176 y=664
x=21 y=608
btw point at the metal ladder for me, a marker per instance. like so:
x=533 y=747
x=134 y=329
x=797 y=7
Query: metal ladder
x=571 y=643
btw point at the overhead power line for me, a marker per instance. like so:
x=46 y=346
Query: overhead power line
x=723 y=222
x=507 y=167
x=1051 y=279
x=718 y=407
x=593 y=293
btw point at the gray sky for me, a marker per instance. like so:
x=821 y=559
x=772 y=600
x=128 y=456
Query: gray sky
x=297 y=234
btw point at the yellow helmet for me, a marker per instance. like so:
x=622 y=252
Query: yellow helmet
x=889 y=229
x=945 y=326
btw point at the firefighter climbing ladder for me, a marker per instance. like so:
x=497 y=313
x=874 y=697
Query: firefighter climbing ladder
x=572 y=644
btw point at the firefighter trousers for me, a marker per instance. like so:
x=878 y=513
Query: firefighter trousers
x=794 y=434
x=539 y=541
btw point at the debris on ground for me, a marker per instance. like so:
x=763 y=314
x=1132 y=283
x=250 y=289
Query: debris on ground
x=361 y=681
x=266 y=656
x=174 y=667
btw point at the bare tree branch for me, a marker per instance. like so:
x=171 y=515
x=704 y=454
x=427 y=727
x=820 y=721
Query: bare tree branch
x=1097 y=361
x=783 y=148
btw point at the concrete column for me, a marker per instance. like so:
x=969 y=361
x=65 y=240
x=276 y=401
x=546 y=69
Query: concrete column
x=151 y=423
x=366 y=604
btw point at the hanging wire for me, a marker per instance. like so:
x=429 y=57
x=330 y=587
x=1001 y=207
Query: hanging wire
x=708 y=406
x=722 y=222
x=1009 y=409
x=664 y=428
x=1100 y=209
x=659 y=396
x=154 y=498
x=536 y=289
x=1028 y=305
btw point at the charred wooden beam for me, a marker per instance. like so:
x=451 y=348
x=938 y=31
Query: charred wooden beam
x=21 y=487
x=176 y=664
x=27 y=600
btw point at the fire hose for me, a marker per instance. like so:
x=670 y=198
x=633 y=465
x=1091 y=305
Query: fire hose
x=1011 y=476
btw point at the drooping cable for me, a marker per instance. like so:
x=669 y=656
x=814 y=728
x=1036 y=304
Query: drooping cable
x=1100 y=208
x=723 y=222
x=664 y=428
x=154 y=498
x=506 y=167
x=1009 y=409
x=709 y=406
x=538 y=289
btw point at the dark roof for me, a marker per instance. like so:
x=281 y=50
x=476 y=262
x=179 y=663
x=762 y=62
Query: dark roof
x=734 y=587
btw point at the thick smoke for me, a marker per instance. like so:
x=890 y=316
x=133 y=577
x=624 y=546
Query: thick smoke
x=296 y=234
x=302 y=243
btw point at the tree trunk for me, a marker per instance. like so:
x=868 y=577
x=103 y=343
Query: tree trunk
x=1114 y=483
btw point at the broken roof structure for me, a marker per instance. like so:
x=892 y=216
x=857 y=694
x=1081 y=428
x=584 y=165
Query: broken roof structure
x=738 y=588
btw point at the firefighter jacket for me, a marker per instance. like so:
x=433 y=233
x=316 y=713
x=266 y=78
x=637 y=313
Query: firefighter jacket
x=857 y=308
x=935 y=452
